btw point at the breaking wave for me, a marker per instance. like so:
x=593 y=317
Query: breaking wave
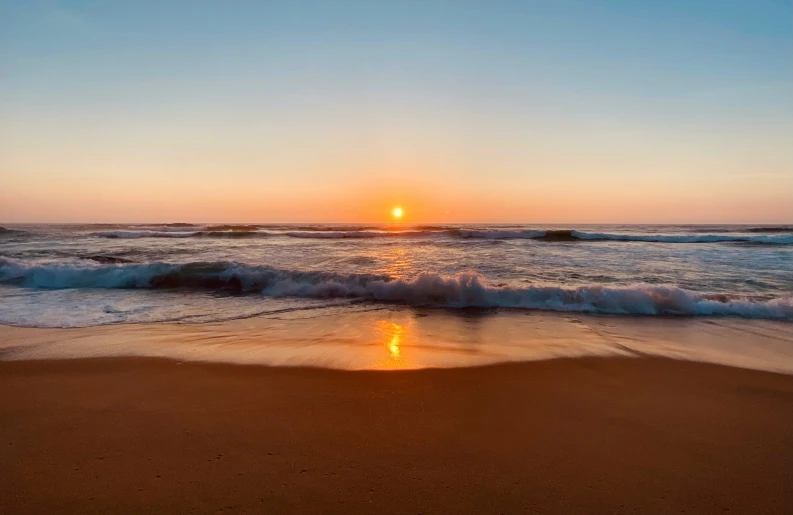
x=428 y=289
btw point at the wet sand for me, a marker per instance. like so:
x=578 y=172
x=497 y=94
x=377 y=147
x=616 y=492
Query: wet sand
x=588 y=435
x=397 y=338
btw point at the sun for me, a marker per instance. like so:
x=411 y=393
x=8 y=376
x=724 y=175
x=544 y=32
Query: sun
x=397 y=212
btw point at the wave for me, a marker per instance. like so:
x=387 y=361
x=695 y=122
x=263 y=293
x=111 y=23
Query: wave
x=556 y=235
x=10 y=232
x=232 y=228
x=182 y=234
x=143 y=234
x=332 y=235
x=688 y=238
x=233 y=234
x=320 y=228
x=428 y=289
x=107 y=260
x=174 y=224
x=487 y=234
x=771 y=229
x=571 y=235
x=254 y=233
x=358 y=228
x=158 y=228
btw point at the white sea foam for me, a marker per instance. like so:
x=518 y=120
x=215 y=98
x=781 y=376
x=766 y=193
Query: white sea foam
x=427 y=289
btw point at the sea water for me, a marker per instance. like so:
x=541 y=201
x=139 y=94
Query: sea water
x=59 y=276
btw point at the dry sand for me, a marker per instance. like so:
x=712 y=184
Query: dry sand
x=582 y=436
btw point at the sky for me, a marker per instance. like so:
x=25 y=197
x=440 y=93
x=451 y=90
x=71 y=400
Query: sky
x=335 y=111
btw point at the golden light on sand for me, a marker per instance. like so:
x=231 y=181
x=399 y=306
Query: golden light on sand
x=392 y=337
x=397 y=332
x=393 y=347
x=397 y=212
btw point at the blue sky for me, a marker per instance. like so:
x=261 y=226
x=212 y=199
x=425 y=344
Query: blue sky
x=333 y=111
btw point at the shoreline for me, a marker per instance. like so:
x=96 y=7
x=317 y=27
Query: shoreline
x=406 y=338
x=582 y=435
x=159 y=361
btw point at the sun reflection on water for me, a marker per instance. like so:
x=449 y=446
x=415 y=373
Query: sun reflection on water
x=398 y=262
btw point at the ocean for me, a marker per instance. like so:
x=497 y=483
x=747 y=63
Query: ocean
x=71 y=276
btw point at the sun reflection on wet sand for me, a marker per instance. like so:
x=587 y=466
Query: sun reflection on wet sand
x=393 y=337
x=394 y=347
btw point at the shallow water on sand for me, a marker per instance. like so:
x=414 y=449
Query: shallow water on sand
x=393 y=338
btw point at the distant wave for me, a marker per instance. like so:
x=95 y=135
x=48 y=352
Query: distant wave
x=232 y=228
x=686 y=238
x=10 y=232
x=557 y=235
x=233 y=234
x=176 y=224
x=358 y=228
x=143 y=234
x=168 y=228
x=428 y=289
x=571 y=235
x=332 y=235
x=219 y=232
x=289 y=228
x=771 y=229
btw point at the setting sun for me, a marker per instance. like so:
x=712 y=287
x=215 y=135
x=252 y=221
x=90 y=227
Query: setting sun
x=397 y=212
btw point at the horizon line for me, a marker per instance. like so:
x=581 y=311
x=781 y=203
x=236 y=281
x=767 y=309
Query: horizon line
x=788 y=223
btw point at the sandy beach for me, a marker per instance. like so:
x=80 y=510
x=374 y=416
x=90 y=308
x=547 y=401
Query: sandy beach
x=396 y=257
x=588 y=435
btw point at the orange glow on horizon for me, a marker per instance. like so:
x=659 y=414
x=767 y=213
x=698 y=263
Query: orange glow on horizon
x=374 y=200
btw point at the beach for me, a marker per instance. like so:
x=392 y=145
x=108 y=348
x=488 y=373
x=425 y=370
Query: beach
x=576 y=435
x=261 y=368
x=406 y=257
